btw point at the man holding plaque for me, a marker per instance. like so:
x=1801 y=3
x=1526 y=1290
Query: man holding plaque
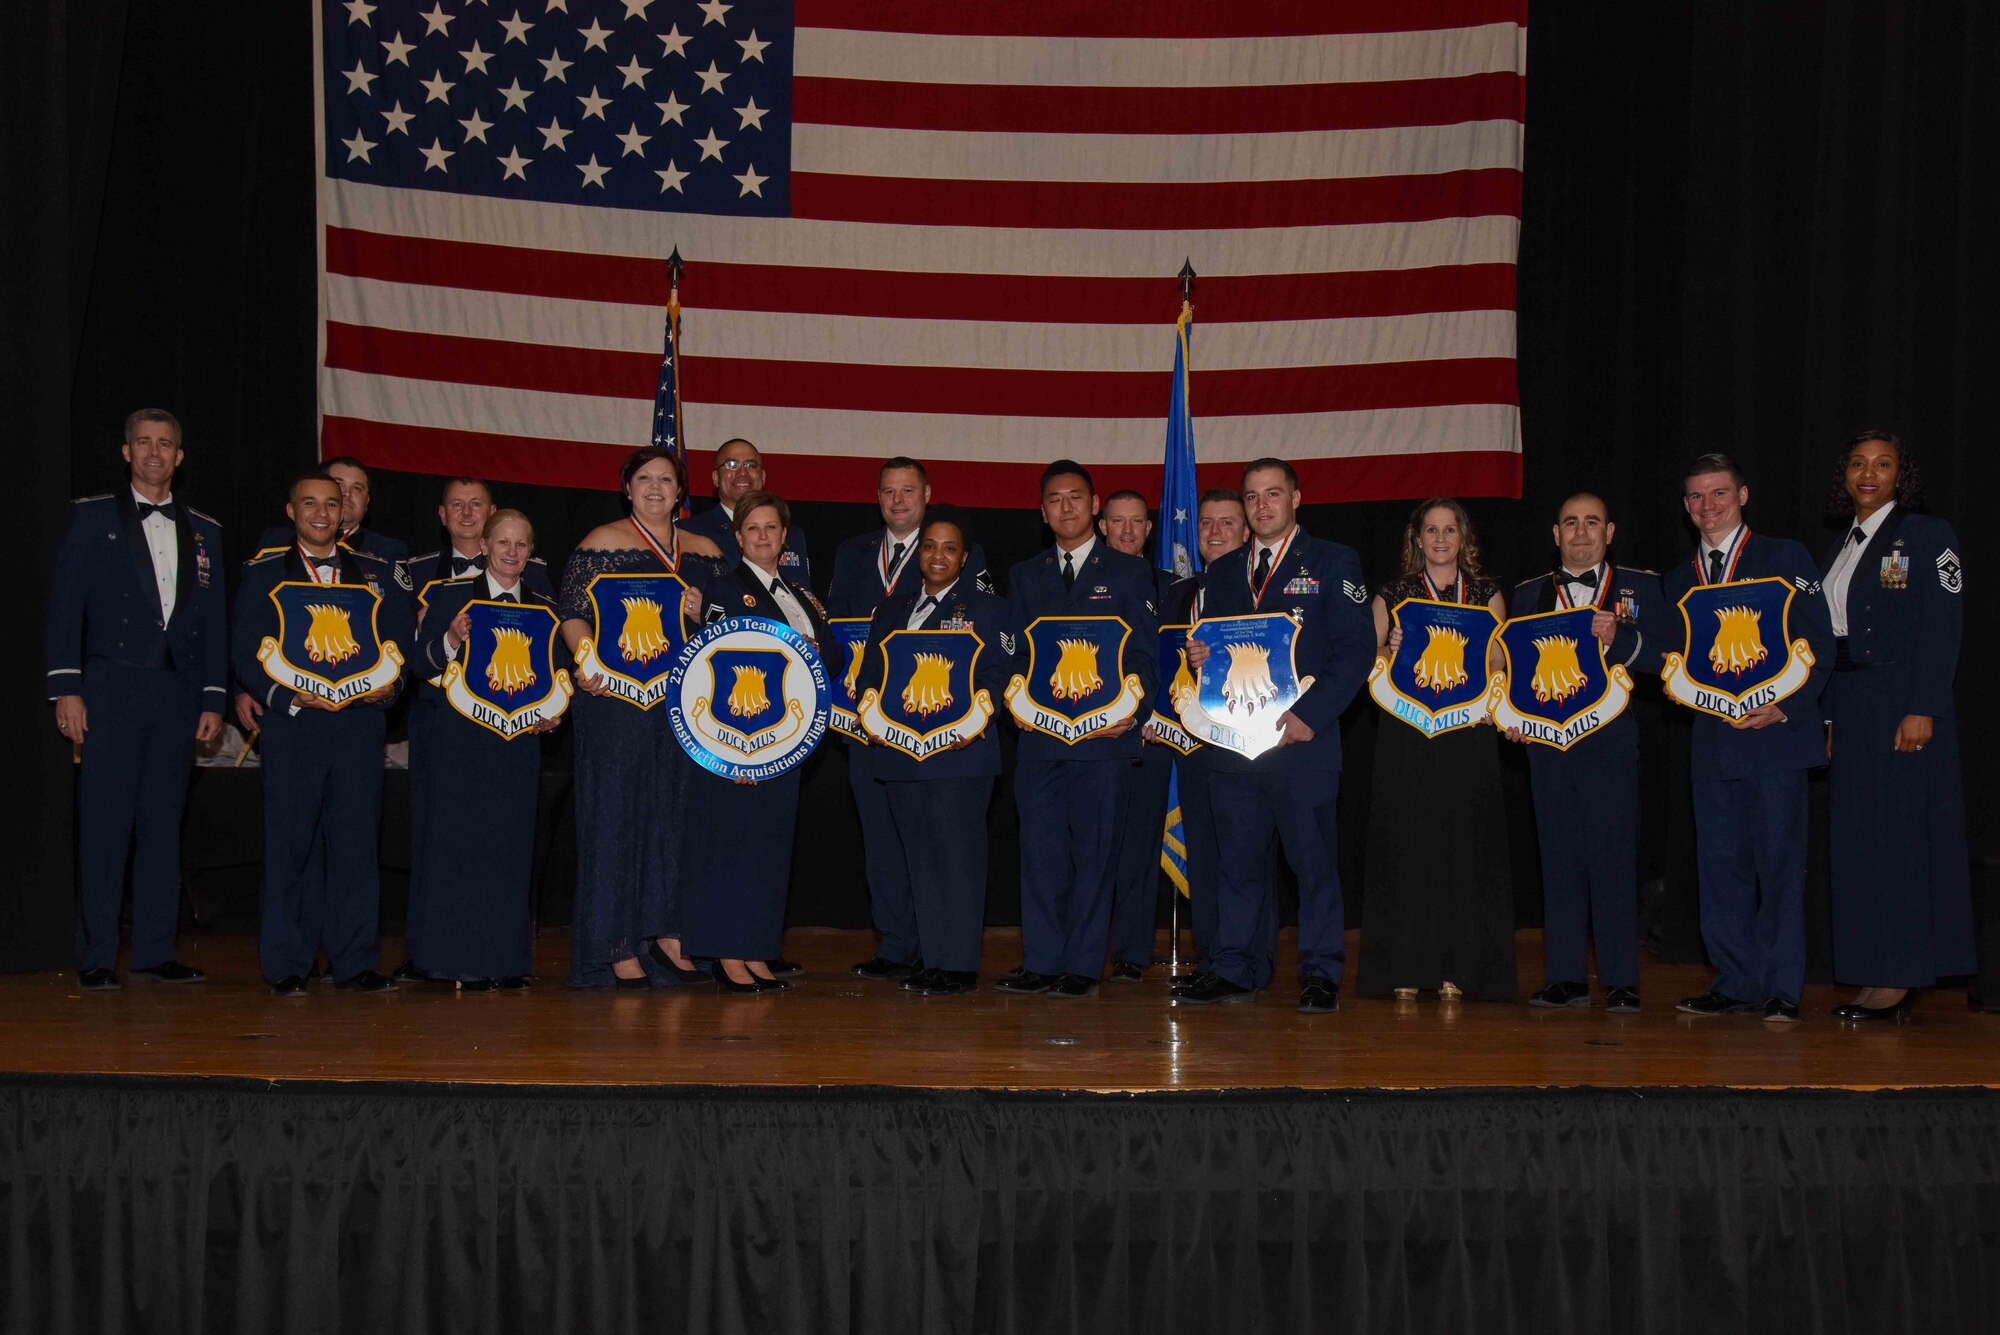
x=322 y=749
x=1127 y=525
x=1749 y=771
x=739 y=470
x=1221 y=526
x=1068 y=781
x=137 y=668
x=1587 y=793
x=934 y=686
x=1290 y=790
x=867 y=569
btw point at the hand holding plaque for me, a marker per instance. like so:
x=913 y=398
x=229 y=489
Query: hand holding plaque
x=1248 y=683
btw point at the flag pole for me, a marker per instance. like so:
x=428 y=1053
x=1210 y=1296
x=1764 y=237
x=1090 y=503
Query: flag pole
x=1187 y=276
x=667 y=427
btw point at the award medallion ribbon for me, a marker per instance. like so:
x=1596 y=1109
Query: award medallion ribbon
x=1557 y=688
x=852 y=632
x=1247 y=683
x=1739 y=653
x=1176 y=692
x=1076 y=683
x=328 y=643
x=748 y=698
x=927 y=703
x=505 y=678
x=1437 y=681
x=636 y=630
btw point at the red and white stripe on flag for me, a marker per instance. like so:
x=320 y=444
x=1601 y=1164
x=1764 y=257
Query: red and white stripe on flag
x=988 y=205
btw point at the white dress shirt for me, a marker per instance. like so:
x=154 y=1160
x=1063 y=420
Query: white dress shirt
x=926 y=604
x=788 y=602
x=885 y=554
x=163 y=540
x=1077 y=556
x=1841 y=577
x=1723 y=547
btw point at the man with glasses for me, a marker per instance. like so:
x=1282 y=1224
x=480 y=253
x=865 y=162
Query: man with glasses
x=739 y=470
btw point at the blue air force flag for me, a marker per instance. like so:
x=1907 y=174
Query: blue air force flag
x=1557 y=688
x=927 y=702
x=636 y=629
x=328 y=643
x=1250 y=678
x=1437 y=680
x=1739 y=654
x=748 y=698
x=852 y=632
x=1076 y=681
x=505 y=678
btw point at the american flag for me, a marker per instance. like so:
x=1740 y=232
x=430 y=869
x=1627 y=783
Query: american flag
x=930 y=227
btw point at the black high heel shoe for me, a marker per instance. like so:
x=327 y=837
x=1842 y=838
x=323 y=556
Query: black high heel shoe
x=624 y=984
x=1896 y=1014
x=730 y=985
x=674 y=971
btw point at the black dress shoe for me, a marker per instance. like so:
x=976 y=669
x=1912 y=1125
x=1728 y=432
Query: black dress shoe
x=879 y=969
x=1716 y=1003
x=1124 y=971
x=173 y=971
x=920 y=980
x=291 y=985
x=735 y=989
x=515 y=983
x=945 y=983
x=1859 y=1014
x=771 y=984
x=1210 y=988
x=1026 y=980
x=365 y=981
x=479 y=984
x=1181 y=982
x=785 y=969
x=1320 y=997
x=1558 y=995
x=408 y=972
x=97 y=980
x=1778 y=1010
x=1622 y=1000
x=674 y=971
x=1073 y=986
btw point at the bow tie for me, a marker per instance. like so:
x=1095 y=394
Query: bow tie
x=461 y=564
x=168 y=510
x=1856 y=536
x=1588 y=578
x=506 y=597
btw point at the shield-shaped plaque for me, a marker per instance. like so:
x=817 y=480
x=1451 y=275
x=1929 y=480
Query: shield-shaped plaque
x=927 y=702
x=505 y=678
x=1176 y=691
x=852 y=632
x=748 y=698
x=1437 y=681
x=1250 y=678
x=636 y=631
x=328 y=643
x=1740 y=654
x=1558 y=688
x=1076 y=682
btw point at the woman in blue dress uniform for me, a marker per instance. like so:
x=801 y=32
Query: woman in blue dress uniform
x=937 y=806
x=475 y=924
x=1902 y=895
x=631 y=776
x=740 y=870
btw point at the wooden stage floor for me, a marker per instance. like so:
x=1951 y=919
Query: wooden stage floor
x=832 y=1029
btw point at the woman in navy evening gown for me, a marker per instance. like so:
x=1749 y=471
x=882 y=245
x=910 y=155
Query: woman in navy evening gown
x=631 y=776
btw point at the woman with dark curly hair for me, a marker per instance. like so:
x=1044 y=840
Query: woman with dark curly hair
x=1902 y=897
x=1437 y=908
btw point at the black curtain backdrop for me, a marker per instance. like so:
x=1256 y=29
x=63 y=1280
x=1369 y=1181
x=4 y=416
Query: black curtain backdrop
x=223 y=1205
x=1751 y=228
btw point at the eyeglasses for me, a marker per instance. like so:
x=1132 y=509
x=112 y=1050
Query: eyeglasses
x=737 y=465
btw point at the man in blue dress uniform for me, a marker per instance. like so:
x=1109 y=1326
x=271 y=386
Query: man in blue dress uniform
x=466 y=505
x=867 y=569
x=322 y=767
x=1221 y=527
x=739 y=470
x=1587 y=798
x=1290 y=791
x=137 y=667
x=1072 y=798
x=1750 y=775
x=1127 y=525
x=352 y=477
